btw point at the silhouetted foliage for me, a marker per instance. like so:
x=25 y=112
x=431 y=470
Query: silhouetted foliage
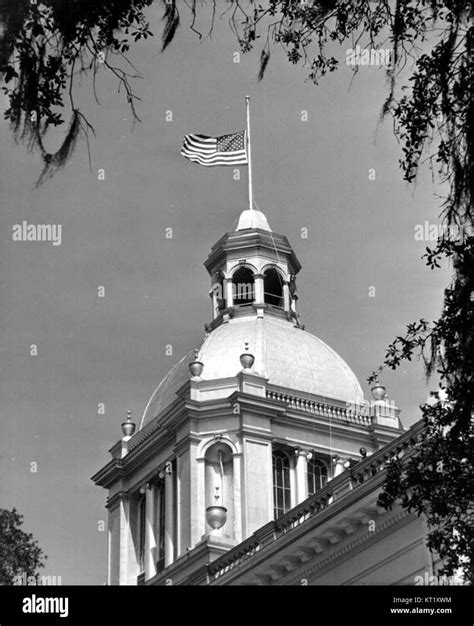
x=46 y=45
x=19 y=552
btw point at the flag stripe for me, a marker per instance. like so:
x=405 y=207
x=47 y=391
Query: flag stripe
x=213 y=155
x=194 y=145
x=191 y=145
x=202 y=161
x=196 y=159
x=202 y=138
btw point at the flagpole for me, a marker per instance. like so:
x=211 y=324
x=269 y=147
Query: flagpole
x=249 y=152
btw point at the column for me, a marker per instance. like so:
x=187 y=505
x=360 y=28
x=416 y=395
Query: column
x=237 y=495
x=113 y=577
x=195 y=518
x=169 y=518
x=339 y=466
x=293 y=493
x=293 y=303
x=201 y=496
x=286 y=296
x=213 y=296
x=122 y=562
x=159 y=494
x=301 y=476
x=259 y=289
x=229 y=293
x=150 y=541
x=125 y=539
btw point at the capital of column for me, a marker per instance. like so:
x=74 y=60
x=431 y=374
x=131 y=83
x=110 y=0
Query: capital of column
x=339 y=464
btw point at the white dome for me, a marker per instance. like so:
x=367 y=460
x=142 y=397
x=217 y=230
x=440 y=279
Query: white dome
x=286 y=355
x=251 y=218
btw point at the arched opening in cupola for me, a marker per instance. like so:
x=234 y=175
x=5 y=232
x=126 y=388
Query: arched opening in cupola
x=243 y=286
x=273 y=287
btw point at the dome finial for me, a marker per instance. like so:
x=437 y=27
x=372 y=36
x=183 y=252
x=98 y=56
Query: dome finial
x=252 y=218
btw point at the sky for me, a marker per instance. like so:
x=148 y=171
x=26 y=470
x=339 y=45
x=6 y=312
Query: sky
x=312 y=175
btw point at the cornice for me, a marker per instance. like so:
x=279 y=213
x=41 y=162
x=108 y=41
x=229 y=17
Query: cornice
x=355 y=546
x=147 y=452
x=256 y=239
x=183 y=444
x=258 y=404
x=115 y=500
x=109 y=474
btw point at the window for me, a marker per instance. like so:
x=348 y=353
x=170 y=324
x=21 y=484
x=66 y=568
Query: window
x=317 y=476
x=243 y=286
x=273 y=288
x=281 y=483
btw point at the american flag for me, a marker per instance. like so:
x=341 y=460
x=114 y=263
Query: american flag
x=224 y=150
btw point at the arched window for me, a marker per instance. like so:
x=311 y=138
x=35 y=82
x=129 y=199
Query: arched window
x=281 y=483
x=317 y=476
x=243 y=286
x=273 y=287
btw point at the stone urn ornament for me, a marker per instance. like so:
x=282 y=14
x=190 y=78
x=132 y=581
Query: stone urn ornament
x=128 y=427
x=378 y=391
x=196 y=366
x=216 y=515
x=246 y=359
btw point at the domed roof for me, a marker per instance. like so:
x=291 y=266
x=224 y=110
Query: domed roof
x=286 y=355
x=251 y=218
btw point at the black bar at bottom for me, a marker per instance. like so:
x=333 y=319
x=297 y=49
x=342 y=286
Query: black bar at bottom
x=170 y=606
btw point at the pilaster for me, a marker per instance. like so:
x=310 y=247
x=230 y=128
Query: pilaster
x=150 y=538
